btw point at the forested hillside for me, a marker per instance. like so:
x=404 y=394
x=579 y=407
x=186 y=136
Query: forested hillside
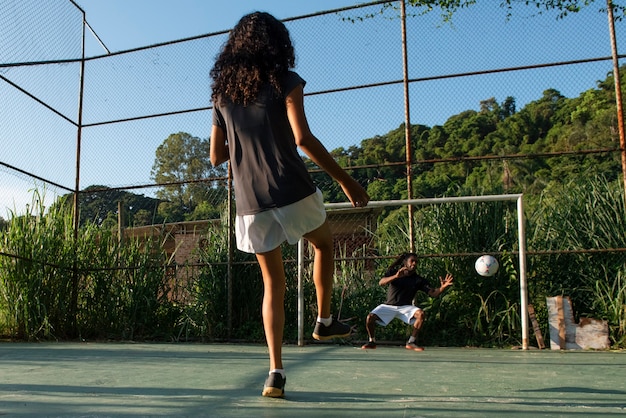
x=526 y=149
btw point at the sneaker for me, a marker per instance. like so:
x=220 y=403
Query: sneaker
x=414 y=347
x=274 y=386
x=335 y=330
x=370 y=345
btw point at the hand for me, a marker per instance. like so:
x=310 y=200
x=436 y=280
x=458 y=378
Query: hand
x=356 y=193
x=447 y=281
x=402 y=271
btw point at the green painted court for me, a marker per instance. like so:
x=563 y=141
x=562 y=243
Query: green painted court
x=225 y=380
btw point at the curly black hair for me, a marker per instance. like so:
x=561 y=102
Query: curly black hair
x=258 y=52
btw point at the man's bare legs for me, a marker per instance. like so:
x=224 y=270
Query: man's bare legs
x=370 y=326
x=417 y=325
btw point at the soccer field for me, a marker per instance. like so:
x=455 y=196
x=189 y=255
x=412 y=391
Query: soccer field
x=225 y=380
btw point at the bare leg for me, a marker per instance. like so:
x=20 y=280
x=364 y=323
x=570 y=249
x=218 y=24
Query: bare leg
x=273 y=272
x=370 y=325
x=323 y=267
x=417 y=325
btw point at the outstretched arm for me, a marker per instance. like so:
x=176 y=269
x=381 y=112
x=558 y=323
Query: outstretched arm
x=447 y=281
x=316 y=151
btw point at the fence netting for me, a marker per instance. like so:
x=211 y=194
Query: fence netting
x=128 y=131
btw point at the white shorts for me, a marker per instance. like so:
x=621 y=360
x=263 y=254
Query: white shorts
x=264 y=231
x=388 y=313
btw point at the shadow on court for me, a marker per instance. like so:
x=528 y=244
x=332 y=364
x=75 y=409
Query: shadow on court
x=225 y=380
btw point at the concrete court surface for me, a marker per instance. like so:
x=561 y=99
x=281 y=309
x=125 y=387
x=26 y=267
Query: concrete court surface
x=323 y=380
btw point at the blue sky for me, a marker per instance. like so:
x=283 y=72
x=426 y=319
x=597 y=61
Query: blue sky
x=337 y=54
x=126 y=24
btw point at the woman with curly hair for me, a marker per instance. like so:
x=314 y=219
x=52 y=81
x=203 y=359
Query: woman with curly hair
x=258 y=123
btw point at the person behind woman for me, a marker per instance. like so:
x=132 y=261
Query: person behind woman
x=258 y=123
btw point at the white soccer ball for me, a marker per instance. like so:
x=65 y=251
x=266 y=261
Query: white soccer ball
x=486 y=265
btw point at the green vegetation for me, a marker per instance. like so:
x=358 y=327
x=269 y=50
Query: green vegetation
x=559 y=152
x=131 y=290
x=53 y=287
x=99 y=206
x=551 y=129
x=182 y=164
x=562 y=7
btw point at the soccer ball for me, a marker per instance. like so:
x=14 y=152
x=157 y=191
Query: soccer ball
x=486 y=265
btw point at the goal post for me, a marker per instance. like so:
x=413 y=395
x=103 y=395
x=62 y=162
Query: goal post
x=435 y=201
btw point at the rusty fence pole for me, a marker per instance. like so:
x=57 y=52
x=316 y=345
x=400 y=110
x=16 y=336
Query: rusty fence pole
x=407 y=124
x=618 y=91
x=76 y=202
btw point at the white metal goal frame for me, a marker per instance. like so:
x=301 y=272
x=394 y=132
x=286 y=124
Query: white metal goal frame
x=435 y=201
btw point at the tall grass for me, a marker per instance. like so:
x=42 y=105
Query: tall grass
x=120 y=287
x=609 y=301
x=131 y=290
x=204 y=312
x=583 y=215
x=35 y=283
x=124 y=287
x=475 y=310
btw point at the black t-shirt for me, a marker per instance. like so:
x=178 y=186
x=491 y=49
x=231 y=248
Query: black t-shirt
x=268 y=172
x=402 y=290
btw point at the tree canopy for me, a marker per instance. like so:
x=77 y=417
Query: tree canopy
x=183 y=166
x=525 y=150
x=562 y=7
x=99 y=205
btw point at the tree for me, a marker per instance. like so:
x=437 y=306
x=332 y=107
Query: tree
x=100 y=203
x=183 y=167
x=143 y=217
x=563 y=7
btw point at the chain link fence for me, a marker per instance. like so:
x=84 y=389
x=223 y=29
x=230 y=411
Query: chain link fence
x=93 y=125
